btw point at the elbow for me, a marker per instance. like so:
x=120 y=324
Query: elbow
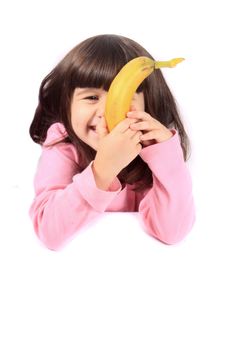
x=170 y=232
x=50 y=233
x=54 y=237
x=49 y=242
x=171 y=237
x=177 y=233
x=50 y=237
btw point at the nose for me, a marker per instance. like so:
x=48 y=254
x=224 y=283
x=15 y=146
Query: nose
x=101 y=106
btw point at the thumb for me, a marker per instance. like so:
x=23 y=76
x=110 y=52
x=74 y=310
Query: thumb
x=101 y=127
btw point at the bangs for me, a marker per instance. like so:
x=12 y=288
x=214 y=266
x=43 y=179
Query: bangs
x=99 y=62
x=98 y=71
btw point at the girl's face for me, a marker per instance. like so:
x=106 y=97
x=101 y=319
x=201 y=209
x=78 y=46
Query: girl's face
x=87 y=109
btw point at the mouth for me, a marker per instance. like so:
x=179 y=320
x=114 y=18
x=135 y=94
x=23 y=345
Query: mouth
x=93 y=128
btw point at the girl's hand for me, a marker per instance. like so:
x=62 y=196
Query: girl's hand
x=115 y=151
x=153 y=131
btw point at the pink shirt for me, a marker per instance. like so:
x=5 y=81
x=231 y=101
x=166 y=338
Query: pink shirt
x=65 y=201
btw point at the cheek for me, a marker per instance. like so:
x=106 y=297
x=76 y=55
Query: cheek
x=138 y=103
x=74 y=122
x=73 y=115
x=77 y=118
x=141 y=101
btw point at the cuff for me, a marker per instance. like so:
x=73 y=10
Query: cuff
x=164 y=155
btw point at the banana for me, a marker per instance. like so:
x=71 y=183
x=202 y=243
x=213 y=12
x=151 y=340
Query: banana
x=125 y=84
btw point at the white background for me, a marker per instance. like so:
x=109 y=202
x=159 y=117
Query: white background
x=113 y=286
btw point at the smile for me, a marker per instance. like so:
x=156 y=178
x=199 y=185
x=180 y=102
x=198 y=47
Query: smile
x=93 y=128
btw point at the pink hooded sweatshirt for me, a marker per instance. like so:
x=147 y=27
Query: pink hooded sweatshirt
x=66 y=201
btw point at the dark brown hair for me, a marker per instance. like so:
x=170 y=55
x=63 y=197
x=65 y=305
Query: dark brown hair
x=94 y=63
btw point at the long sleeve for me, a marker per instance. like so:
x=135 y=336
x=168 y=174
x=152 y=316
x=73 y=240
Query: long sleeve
x=65 y=201
x=167 y=210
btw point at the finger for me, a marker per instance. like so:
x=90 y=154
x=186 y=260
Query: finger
x=132 y=121
x=139 y=115
x=141 y=126
x=151 y=135
x=123 y=125
x=137 y=137
x=139 y=147
x=130 y=133
x=101 y=128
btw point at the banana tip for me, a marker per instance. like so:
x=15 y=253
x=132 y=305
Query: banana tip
x=169 y=64
x=175 y=61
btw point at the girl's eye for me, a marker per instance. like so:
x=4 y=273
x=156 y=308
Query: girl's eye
x=92 y=98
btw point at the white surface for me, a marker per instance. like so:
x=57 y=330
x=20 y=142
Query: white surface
x=113 y=286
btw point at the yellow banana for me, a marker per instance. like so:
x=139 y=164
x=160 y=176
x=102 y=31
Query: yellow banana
x=125 y=84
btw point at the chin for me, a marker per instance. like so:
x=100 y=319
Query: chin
x=93 y=146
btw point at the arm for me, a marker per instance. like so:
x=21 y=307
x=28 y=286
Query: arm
x=167 y=210
x=65 y=201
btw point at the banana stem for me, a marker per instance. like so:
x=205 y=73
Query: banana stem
x=168 y=64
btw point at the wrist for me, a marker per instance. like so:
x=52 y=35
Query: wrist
x=103 y=178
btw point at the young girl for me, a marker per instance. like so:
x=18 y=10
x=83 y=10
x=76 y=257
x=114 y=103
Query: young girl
x=84 y=170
